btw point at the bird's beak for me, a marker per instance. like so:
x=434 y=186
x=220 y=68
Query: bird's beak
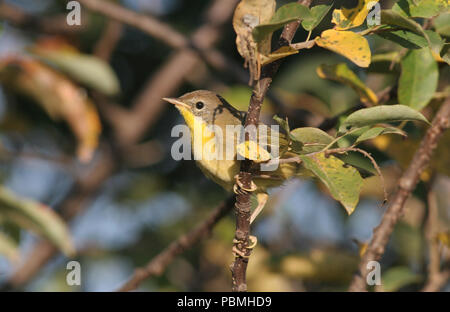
x=176 y=102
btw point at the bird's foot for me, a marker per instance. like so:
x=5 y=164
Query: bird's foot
x=251 y=243
x=238 y=187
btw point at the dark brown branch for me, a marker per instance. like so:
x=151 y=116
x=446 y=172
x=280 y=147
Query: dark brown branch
x=243 y=203
x=407 y=184
x=186 y=241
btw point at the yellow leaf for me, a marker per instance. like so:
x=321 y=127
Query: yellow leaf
x=347 y=18
x=444 y=238
x=278 y=54
x=253 y=151
x=349 y=44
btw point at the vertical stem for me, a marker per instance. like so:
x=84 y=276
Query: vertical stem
x=243 y=203
x=407 y=184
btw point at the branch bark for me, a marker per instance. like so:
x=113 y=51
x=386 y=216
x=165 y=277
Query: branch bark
x=243 y=203
x=159 y=263
x=407 y=184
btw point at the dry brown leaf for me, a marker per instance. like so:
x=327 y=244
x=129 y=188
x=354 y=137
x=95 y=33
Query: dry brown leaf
x=249 y=14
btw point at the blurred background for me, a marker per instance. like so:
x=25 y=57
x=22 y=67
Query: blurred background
x=83 y=131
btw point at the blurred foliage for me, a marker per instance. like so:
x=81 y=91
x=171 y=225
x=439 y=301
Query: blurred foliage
x=305 y=241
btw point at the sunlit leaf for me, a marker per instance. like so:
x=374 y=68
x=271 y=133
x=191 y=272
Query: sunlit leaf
x=381 y=114
x=8 y=248
x=420 y=8
x=318 y=12
x=341 y=73
x=343 y=182
x=58 y=96
x=278 y=54
x=392 y=18
x=253 y=151
x=312 y=139
x=347 y=18
x=349 y=44
x=37 y=218
x=284 y=15
x=418 y=79
x=376 y=131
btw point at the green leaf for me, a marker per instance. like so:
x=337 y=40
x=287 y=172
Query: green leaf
x=341 y=73
x=35 y=217
x=318 y=12
x=381 y=114
x=343 y=182
x=442 y=24
x=8 y=248
x=278 y=54
x=397 y=277
x=312 y=139
x=405 y=38
x=418 y=79
x=284 y=15
x=376 y=131
x=86 y=69
x=392 y=18
x=422 y=8
x=360 y=162
x=436 y=41
x=284 y=123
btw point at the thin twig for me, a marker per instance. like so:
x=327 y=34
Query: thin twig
x=407 y=184
x=159 y=263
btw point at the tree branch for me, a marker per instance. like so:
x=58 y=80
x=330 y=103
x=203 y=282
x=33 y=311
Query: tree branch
x=159 y=263
x=243 y=203
x=407 y=184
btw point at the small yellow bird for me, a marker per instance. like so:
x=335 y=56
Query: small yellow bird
x=205 y=108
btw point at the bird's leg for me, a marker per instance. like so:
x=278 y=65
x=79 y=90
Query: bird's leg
x=239 y=187
x=252 y=242
x=262 y=200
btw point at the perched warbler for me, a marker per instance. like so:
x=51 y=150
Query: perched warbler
x=204 y=110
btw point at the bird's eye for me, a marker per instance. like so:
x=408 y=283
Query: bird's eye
x=199 y=105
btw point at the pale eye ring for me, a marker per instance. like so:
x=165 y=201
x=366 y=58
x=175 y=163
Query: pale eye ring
x=199 y=105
